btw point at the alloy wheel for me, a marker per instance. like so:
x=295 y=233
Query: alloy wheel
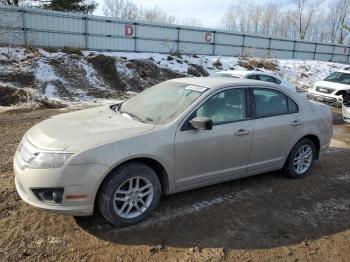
x=303 y=159
x=133 y=197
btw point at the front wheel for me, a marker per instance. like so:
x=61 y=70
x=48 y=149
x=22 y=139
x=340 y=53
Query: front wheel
x=300 y=159
x=129 y=194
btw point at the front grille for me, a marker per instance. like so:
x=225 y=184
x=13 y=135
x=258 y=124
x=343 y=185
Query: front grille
x=325 y=90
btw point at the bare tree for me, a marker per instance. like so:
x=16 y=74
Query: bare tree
x=121 y=9
x=191 y=21
x=339 y=17
x=126 y=9
x=155 y=15
x=269 y=16
x=304 y=13
x=229 y=20
x=307 y=20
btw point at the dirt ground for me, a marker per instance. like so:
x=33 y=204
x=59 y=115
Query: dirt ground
x=262 y=218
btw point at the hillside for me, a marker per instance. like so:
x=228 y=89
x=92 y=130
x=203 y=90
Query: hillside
x=52 y=78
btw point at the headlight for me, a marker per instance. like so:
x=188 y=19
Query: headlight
x=43 y=160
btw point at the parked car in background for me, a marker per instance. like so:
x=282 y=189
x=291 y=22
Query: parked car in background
x=331 y=89
x=346 y=106
x=257 y=75
x=178 y=135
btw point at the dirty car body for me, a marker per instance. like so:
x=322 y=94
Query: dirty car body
x=215 y=130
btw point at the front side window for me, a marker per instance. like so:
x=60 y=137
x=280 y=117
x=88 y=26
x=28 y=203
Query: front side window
x=224 y=107
x=162 y=103
x=270 y=102
x=339 y=77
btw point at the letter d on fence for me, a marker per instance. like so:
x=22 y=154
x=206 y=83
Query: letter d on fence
x=129 y=30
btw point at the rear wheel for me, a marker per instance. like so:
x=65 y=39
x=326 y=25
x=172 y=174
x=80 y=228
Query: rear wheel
x=129 y=194
x=300 y=159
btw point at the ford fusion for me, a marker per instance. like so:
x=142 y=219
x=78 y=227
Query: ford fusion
x=175 y=136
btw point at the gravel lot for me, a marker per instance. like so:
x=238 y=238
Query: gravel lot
x=261 y=218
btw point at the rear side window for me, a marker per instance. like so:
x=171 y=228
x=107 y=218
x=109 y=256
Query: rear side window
x=270 y=102
x=292 y=106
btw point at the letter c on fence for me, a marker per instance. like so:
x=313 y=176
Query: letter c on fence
x=129 y=30
x=207 y=37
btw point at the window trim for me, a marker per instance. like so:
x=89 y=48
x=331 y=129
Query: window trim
x=251 y=89
x=184 y=125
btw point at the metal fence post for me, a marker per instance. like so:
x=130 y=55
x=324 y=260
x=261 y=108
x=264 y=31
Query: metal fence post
x=269 y=48
x=214 y=42
x=178 y=41
x=135 y=37
x=24 y=26
x=315 y=51
x=294 y=46
x=332 y=53
x=243 y=45
x=86 y=32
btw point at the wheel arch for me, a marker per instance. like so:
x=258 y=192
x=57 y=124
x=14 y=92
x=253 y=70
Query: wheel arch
x=160 y=170
x=315 y=140
x=317 y=143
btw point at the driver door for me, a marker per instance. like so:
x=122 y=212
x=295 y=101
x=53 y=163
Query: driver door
x=209 y=156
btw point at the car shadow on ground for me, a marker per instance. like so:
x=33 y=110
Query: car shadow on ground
x=264 y=211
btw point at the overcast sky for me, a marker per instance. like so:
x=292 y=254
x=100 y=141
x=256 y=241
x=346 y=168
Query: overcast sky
x=208 y=11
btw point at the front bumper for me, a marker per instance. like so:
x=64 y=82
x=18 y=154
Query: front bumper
x=325 y=99
x=78 y=180
x=346 y=113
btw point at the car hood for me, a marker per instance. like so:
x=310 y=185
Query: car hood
x=333 y=85
x=82 y=129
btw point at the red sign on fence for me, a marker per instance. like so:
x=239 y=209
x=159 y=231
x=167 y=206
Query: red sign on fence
x=129 y=30
x=208 y=37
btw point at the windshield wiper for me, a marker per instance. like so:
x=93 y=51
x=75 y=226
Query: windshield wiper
x=116 y=107
x=132 y=116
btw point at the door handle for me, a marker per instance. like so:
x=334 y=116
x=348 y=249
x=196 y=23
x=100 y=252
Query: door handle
x=296 y=123
x=242 y=132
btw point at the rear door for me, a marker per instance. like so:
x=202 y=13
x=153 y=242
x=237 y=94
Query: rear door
x=277 y=126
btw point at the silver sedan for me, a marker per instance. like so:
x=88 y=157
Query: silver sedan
x=177 y=135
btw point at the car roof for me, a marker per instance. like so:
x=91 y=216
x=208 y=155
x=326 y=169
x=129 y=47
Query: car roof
x=216 y=82
x=246 y=72
x=235 y=72
x=346 y=70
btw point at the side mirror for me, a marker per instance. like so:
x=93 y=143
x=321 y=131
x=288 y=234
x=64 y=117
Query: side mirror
x=202 y=123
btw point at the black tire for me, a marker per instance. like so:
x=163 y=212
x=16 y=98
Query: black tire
x=115 y=180
x=289 y=169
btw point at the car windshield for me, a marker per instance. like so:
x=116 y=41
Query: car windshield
x=161 y=103
x=339 y=77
